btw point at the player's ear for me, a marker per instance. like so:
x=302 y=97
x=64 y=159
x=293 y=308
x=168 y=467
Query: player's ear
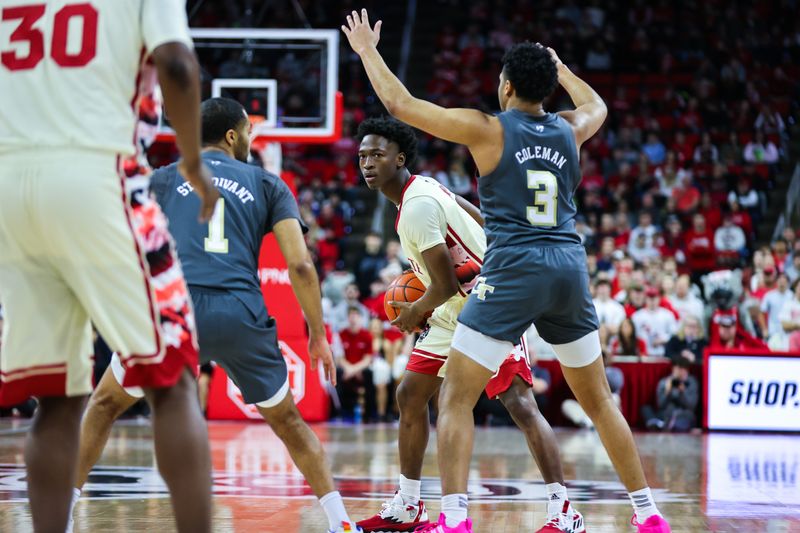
x=508 y=89
x=230 y=137
x=401 y=160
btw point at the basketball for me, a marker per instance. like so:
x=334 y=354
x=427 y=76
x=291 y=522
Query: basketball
x=405 y=288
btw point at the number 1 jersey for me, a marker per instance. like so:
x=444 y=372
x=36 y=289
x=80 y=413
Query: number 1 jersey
x=223 y=253
x=69 y=69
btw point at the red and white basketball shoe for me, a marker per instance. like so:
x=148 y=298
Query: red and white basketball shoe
x=396 y=515
x=567 y=521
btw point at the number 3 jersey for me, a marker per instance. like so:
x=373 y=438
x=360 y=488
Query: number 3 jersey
x=69 y=69
x=429 y=215
x=529 y=198
x=223 y=253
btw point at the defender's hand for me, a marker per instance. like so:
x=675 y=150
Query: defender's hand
x=410 y=318
x=320 y=350
x=359 y=33
x=553 y=55
x=199 y=177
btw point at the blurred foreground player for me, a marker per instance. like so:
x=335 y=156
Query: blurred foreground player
x=221 y=263
x=535 y=267
x=81 y=243
x=442 y=236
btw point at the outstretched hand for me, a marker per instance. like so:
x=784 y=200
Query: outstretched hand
x=359 y=33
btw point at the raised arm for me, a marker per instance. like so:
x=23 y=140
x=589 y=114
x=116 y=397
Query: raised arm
x=179 y=77
x=305 y=284
x=470 y=127
x=590 y=110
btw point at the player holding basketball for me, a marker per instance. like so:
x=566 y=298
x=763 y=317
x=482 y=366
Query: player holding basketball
x=535 y=267
x=81 y=243
x=221 y=263
x=442 y=237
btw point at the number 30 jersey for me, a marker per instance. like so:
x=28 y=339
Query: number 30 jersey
x=529 y=198
x=69 y=69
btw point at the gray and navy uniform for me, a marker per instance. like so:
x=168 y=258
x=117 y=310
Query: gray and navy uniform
x=535 y=268
x=220 y=263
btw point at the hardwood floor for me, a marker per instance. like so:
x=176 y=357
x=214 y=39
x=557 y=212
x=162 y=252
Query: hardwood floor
x=716 y=482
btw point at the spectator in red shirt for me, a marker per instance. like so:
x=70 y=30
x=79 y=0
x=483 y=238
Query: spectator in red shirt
x=686 y=195
x=354 y=377
x=672 y=243
x=700 y=256
x=727 y=339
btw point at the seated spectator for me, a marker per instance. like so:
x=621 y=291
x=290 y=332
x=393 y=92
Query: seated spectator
x=676 y=401
x=771 y=306
x=339 y=312
x=634 y=299
x=654 y=324
x=626 y=341
x=689 y=342
x=769 y=121
x=684 y=301
x=727 y=335
x=610 y=313
x=706 y=153
x=645 y=227
x=746 y=196
x=353 y=374
x=761 y=150
x=686 y=196
x=654 y=149
x=669 y=176
x=731 y=151
x=573 y=410
x=741 y=218
x=371 y=262
x=671 y=243
x=643 y=250
x=790 y=321
x=700 y=257
x=730 y=243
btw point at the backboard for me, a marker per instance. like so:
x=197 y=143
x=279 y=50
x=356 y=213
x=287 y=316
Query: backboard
x=287 y=79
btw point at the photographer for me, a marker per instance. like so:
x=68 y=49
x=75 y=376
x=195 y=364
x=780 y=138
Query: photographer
x=676 y=400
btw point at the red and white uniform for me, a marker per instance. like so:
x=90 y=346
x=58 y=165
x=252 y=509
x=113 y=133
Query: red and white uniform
x=81 y=242
x=429 y=215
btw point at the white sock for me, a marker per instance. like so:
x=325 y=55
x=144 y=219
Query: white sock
x=454 y=508
x=556 y=495
x=410 y=490
x=334 y=509
x=76 y=494
x=643 y=504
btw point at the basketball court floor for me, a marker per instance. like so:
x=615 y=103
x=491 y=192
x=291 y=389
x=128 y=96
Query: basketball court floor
x=716 y=482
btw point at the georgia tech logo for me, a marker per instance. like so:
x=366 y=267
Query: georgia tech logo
x=482 y=288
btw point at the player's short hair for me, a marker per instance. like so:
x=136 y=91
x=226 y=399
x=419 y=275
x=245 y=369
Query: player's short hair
x=392 y=130
x=218 y=115
x=531 y=70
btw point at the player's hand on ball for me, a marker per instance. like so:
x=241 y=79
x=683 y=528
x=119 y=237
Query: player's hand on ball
x=409 y=319
x=320 y=350
x=359 y=32
x=200 y=178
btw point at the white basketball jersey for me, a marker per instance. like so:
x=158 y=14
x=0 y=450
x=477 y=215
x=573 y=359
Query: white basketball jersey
x=429 y=215
x=69 y=69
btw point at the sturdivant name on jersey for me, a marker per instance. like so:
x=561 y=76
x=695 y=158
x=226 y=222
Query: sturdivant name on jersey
x=541 y=152
x=239 y=190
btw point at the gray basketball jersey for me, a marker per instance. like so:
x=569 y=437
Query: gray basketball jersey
x=529 y=198
x=223 y=253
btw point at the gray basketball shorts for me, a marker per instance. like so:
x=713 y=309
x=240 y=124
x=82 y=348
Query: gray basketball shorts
x=545 y=285
x=235 y=332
